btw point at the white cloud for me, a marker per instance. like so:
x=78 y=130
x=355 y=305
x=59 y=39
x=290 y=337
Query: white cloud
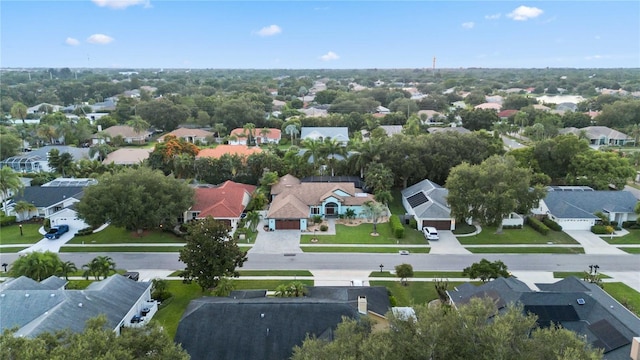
x=468 y=25
x=329 y=56
x=270 y=30
x=121 y=4
x=597 y=57
x=72 y=42
x=99 y=39
x=493 y=16
x=523 y=13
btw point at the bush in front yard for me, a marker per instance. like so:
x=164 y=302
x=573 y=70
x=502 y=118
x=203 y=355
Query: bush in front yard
x=324 y=227
x=396 y=226
x=537 y=225
x=552 y=224
x=601 y=229
x=85 y=231
x=7 y=220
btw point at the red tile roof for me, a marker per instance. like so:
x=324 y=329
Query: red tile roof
x=220 y=150
x=226 y=201
x=274 y=134
x=507 y=113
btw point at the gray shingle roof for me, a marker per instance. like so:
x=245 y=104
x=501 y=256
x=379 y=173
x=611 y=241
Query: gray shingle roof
x=42 y=196
x=436 y=207
x=35 y=309
x=583 y=204
x=337 y=133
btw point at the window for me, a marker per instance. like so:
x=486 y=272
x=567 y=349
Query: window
x=315 y=210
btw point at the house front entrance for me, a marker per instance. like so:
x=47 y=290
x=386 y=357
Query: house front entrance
x=331 y=210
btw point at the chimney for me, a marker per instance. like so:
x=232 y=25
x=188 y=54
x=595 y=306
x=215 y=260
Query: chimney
x=635 y=349
x=362 y=305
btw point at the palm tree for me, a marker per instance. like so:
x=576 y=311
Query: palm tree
x=373 y=210
x=102 y=149
x=264 y=132
x=350 y=214
x=297 y=289
x=249 y=131
x=281 y=290
x=384 y=197
x=67 y=268
x=252 y=220
x=219 y=129
x=331 y=148
x=292 y=130
x=9 y=184
x=138 y=125
x=99 y=266
x=19 y=110
x=23 y=206
x=225 y=287
x=314 y=149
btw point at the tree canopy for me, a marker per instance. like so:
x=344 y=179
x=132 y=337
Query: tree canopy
x=486 y=270
x=135 y=199
x=210 y=253
x=39 y=266
x=491 y=190
x=473 y=331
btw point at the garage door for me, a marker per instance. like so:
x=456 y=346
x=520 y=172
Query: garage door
x=438 y=224
x=288 y=224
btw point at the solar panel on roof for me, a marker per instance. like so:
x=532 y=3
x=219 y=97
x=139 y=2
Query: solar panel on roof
x=608 y=336
x=552 y=313
x=417 y=199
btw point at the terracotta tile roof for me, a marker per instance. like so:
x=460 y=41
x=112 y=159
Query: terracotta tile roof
x=220 y=150
x=127 y=156
x=507 y=113
x=487 y=105
x=225 y=201
x=274 y=134
x=292 y=197
x=283 y=183
x=185 y=132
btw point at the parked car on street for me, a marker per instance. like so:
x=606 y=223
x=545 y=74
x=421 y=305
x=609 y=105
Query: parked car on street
x=56 y=231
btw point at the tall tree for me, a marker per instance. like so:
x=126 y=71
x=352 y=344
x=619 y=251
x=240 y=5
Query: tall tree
x=314 y=150
x=331 y=149
x=24 y=208
x=486 y=270
x=473 y=331
x=599 y=170
x=135 y=199
x=210 y=253
x=378 y=178
x=19 y=111
x=9 y=184
x=490 y=191
x=374 y=211
x=138 y=124
x=404 y=271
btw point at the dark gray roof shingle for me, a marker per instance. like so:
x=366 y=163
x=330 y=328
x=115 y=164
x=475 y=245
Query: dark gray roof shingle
x=583 y=204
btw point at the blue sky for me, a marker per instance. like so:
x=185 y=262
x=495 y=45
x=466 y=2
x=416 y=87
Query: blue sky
x=307 y=34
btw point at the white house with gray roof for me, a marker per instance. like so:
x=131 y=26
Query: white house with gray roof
x=601 y=135
x=573 y=207
x=340 y=134
x=426 y=201
x=38 y=307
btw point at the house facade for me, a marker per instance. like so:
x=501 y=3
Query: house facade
x=601 y=136
x=127 y=133
x=37 y=307
x=239 y=136
x=574 y=207
x=426 y=202
x=340 y=134
x=189 y=135
x=294 y=202
x=225 y=203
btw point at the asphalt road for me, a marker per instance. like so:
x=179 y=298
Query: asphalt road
x=334 y=261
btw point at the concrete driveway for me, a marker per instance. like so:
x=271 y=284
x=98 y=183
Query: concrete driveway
x=55 y=245
x=447 y=244
x=593 y=244
x=277 y=242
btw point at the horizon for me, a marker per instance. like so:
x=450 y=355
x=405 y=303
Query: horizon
x=319 y=35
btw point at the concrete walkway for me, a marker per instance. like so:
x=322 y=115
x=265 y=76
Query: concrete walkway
x=593 y=244
x=447 y=244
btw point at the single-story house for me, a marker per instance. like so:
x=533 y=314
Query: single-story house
x=426 y=201
x=247 y=325
x=225 y=202
x=489 y=105
x=573 y=207
x=37 y=307
x=574 y=304
x=601 y=135
x=189 y=135
x=38 y=159
x=294 y=202
x=382 y=110
x=239 y=136
x=127 y=133
x=43 y=108
x=390 y=130
x=127 y=156
x=430 y=116
x=340 y=134
x=218 y=151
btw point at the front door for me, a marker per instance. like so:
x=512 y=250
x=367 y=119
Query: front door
x=331 y=209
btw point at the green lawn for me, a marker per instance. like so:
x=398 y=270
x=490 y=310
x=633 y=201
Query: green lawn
x=624 y=295
x=631 y=250
x=396 y=206
x=90 y=248
x=526 y=235
x=633 y=237
x=578 y=274
x=361 y=234
x=464 y=228
x=418 y=292
x=10 y=250
x=116 y=235
x=11 y=234
x=421 y=274
x=355 y=249
x=526 y=250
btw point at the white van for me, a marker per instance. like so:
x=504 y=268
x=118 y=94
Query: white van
x=430 y=233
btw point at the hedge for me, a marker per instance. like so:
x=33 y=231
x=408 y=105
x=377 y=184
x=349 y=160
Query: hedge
x=7 y=220
x=510 y=227
x=85 y=231
x=396 y=226
x=537 y=225
x=628 y=224
x=552 y=224
x=600 y=229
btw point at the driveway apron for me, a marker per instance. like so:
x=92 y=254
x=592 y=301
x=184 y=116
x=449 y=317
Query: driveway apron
x=277 y=242
x=447 y=244
x=593 y=244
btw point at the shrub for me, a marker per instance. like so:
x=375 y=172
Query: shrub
x=317 y=219
x=47 y=224
x=393 y=301
x=85 y=231
x=413 y=223
x=510 y=227
x=161 y=296
x=7 y=220
x=552 y=224
x=396 y=226
x=599 y=229
x=537 y=225
x=324 y=227
x=628 y=224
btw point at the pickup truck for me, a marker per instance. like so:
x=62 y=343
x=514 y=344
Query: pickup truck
x=56 y=231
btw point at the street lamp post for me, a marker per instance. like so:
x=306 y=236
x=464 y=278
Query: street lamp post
x=20 y=229
x=381 y=266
